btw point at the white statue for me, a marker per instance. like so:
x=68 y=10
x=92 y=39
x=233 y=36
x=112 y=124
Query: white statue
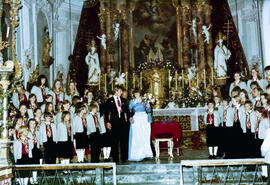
x=194 y=26
x=116 y=30
x=205 y=32
x=221 y=55
x=103 y=40
x=28 y=68
x=120 y=80
x=93 y=62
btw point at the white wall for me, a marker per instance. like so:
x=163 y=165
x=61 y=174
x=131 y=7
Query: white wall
x=245 y=11
x=266 y=31
x=34 y=15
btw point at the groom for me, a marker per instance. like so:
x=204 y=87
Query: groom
x=117 y=119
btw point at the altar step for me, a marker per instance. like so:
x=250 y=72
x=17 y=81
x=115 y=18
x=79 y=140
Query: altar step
x=169 y=174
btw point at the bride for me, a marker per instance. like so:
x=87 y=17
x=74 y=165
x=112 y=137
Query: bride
x=140 y=130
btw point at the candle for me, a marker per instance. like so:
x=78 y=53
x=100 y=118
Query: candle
x=99 y=78
x=198 y=79
x=189 y=82
x=169 y=79
x=126 y=80
x=133 y=79
x=204 y=79
x=141 y=80
x=112 y=85
x=105 y=82
x=8 y=29
x=176 y=80
x=212 y=73
x=183 y=82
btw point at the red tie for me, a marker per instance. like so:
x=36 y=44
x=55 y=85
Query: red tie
x=119 y=104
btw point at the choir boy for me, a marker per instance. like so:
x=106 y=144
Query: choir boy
x=65 y=138
x=79 y=124
x=95 y=129
x=248 y=121
x=212 y=121
x=48 y=138
x=23 y=152
x=260 y=128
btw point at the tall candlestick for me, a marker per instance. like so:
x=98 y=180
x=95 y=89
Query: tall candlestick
x=169 y=79
x=212 y=73
x=126 y=80
x=141 y=80
x=176 y=80
x=204 y=79
x=183 y=82
x=134 y=80
x=99 y=81
x=105 y=82
x=198 y=79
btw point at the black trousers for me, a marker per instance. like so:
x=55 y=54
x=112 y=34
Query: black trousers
x=50 y=151
x=95 y=145
x=120 y=134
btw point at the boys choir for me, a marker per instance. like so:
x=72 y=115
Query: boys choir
x=236 y=126
x=57 y=124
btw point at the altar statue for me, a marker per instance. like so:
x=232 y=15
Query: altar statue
x=193 y=24
x=103 y=40
x=120 y=80
x=116 y=30
x=205 y=32
x=93 y=62
x=221 y=55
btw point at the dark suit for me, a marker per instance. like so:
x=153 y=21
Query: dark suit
x=119 y=128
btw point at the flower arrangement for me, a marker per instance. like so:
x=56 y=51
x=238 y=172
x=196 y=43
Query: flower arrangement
x=148 y=98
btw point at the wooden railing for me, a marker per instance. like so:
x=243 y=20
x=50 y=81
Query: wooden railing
x=98 y=167
x=198 y=164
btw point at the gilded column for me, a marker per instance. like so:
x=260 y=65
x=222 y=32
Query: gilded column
x=200 y=39
x=109 y=38
x=209 y=47
x=131 y=36
x=102 y=56
x=179 y=32
x=124 y=39
x=186 y=40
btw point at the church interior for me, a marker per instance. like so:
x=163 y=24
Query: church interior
x=134 y=92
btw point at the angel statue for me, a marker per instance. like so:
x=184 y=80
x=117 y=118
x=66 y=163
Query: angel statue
x=120 y=80
x=93 y=63
x=194 y=26
x=221 y=54
x=116 y=27
x=103 y=40
x=205 y=32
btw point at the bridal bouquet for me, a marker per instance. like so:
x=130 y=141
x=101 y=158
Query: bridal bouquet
x=148 y=98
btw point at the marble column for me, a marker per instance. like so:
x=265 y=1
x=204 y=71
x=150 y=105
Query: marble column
x=102 y=57
x=209 y=47
x=124 y=39
x=200 y=42
x=186 y=40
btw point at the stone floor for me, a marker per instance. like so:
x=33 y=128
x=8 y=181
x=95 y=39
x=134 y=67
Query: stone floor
x=185 y=155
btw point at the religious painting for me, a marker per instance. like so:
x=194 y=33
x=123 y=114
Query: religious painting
x=155 y=35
